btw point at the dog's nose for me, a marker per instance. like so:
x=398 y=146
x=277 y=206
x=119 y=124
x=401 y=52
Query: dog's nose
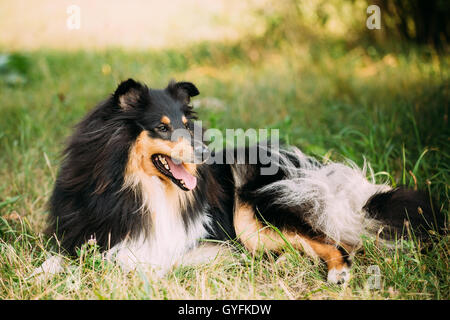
x=201 y=152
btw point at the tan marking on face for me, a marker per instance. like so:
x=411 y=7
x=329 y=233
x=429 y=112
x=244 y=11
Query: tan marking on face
x=139 y=159
x=184 y=120
x=165 y=120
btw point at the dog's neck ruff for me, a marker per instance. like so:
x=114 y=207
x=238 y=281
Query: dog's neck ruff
x=168 y=237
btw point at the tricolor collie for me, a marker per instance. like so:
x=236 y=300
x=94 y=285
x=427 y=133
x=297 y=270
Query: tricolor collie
x=148 y=198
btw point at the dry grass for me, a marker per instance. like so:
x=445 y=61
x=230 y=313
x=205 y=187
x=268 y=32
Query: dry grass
x=331 y=99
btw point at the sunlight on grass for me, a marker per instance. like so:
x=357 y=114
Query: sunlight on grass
x=333 y=99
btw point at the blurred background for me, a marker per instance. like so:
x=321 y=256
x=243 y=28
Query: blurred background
x=132 y=24
x=312 y=69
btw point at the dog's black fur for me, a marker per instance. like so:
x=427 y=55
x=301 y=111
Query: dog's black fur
x=89 y=198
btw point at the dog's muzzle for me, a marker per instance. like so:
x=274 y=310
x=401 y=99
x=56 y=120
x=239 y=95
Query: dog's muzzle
x=201 y=152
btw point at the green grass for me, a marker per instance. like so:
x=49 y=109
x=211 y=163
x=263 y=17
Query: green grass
x=332 y=100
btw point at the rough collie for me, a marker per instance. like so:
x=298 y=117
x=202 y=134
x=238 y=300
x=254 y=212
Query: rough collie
x=148 y=198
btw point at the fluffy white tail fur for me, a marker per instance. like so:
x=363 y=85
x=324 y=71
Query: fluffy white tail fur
x=334 y=194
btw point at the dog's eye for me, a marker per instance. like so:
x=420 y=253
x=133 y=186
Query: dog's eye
x=162 y=128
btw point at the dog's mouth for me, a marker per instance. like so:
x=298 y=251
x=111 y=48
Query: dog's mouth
x=176 y=172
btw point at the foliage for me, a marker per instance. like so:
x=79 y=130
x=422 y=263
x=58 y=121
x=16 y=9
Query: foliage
x=13 y=69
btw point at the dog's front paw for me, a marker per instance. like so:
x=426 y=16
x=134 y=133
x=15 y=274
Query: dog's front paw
x=339 y=276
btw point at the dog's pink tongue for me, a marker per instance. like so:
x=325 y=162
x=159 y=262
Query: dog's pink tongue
x=180 y=173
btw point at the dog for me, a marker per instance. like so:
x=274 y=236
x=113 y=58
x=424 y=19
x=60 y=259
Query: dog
x=149 y=199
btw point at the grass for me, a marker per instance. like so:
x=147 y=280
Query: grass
x=332 y=100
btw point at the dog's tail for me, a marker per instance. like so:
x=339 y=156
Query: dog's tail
x=338 y=200
x=405 y=212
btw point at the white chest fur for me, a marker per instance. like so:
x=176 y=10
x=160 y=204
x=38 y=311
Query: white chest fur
x=169 y=239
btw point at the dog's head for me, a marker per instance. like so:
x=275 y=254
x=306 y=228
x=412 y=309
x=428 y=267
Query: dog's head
x=165 y=146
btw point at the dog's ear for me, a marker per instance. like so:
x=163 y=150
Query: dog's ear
x=128 y=94
x=183 y=90
x=189 y=87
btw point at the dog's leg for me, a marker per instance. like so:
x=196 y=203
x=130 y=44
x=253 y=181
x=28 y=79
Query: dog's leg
x=53 y=265
x=140 y=254
x=204 y=253
x=255 y=237
x=338 y=265
x=126 y=255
